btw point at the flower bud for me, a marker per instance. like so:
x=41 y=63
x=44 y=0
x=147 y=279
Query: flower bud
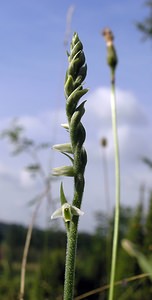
x=63 y=171
x=66 y=126
x=111 y=52
x=63 y=148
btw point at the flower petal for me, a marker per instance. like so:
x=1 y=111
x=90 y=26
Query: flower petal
x=76 y=211
x=66 y=126
x=63 y=147
x=63 y=171
x=57 y=214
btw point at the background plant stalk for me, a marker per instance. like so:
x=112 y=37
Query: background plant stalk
x=117 y=189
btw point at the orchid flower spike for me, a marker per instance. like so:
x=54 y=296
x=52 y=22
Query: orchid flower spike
x=67 y=211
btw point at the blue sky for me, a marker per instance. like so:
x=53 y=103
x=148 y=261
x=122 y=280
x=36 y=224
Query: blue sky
x=33 y=63
x=33 y=57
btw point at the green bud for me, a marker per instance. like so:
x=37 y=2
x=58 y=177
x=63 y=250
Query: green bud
x=81 y=75
x=112 y=57
x=77 y=47
x=73 y=99
x=69 y=86
x=75 y=40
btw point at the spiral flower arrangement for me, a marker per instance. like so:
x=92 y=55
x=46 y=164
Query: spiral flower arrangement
x=75 y=151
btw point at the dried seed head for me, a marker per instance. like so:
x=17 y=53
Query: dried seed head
x=104 y=142
x=108 y=36
x=111 y=52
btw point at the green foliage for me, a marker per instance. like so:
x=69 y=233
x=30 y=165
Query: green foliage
x=45 y=269
x=15 y=134
x=51 y=275
x=128 y=266
x=148 y=228
x=146 y=26
x=144 y=262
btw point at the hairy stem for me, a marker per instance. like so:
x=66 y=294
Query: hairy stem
x=70 y=260
x=72 y=235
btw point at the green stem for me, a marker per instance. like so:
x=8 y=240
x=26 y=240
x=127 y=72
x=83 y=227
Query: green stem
x=72 y=235
x=70 y=260
x=117 y=205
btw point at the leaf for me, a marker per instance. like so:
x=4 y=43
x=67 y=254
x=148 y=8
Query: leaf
x=72 y=160
x=62 y=195
x=144 y=262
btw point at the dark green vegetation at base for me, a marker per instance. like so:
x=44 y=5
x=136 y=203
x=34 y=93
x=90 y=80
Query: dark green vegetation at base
x=45 y=269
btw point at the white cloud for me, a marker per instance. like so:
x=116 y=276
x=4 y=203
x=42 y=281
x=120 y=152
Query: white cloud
x=132 y=122
x=129 y=111
x=43 y=126
x=26 y=180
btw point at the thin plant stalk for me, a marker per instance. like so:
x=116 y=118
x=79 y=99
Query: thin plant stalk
x=106 y=287
x=27 y=245
x=104 y=144
x=22 y=144
x=105 y=173
x=112 y=62
x=117 y=187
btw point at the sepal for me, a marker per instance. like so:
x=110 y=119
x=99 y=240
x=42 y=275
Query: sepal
x=62 y=195
x=57 y=213
x=66 y=126
x=76 y=211
x=63 y=148
x=63 y=171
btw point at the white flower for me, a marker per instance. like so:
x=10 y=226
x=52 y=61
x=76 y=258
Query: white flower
x=66 y=211
x=63 y=171
x=63 y=148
